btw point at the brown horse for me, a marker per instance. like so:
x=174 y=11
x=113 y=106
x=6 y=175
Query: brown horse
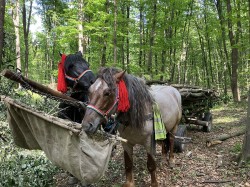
x=107 y=96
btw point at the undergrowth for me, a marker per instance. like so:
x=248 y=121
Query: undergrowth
x=21 y=167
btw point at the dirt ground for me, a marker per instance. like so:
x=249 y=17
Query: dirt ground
x=199 y=165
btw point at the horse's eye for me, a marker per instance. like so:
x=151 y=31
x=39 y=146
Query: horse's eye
x=107 y=92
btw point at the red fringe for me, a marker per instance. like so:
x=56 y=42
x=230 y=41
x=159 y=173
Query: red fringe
x=123 y=104
x=61 y=82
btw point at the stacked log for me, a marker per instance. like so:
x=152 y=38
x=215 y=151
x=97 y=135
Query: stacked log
x=194 y=98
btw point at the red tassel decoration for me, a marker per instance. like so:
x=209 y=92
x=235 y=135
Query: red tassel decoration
x=61 y=82
x=123 y=104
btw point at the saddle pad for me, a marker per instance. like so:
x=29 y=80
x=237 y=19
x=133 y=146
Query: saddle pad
x=159 y=127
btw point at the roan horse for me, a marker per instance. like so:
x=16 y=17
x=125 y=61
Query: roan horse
x=74 y=72
x=135 y=116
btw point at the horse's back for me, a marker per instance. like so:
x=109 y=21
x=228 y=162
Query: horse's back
x=168 y=99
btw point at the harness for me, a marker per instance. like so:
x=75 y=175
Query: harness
x=106 y=114
x=76 y=80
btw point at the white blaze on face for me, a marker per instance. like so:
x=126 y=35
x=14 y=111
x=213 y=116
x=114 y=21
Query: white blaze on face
x=97 y=85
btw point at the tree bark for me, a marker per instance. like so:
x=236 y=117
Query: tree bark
x=226 y=64
x=246 y=141
x=115 y=33
x=26 y=29
x=209 y=59
x=127 y=38
x=141 y=33
x=203 y=55
x=15 y=16
x=104 y=48
x=2 y=13
x=234 y=55
x=151 y=39
x=80 y=28
x=223 y=137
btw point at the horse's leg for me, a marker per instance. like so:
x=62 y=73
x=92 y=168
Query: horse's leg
x=152 y=169
x=128 y=159
x=165 y=147
x=171 y=145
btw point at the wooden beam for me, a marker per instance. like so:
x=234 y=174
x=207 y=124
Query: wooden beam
x=41 y=88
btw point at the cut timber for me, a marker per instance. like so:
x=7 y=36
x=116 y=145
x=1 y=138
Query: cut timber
x=197 y=122
x=150 y=82
x=39 y=87
x=219 y=139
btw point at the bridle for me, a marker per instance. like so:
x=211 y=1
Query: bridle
x=105 y=114
x=76 y=80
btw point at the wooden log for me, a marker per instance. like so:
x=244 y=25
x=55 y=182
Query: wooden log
x=197 y=122
x=41 y=88
x=150 y=82
x=222 y=137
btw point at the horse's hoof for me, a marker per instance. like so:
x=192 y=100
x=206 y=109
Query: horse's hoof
x=128 y=184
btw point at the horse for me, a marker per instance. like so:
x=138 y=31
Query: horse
x=75 y=74
x=117 y=93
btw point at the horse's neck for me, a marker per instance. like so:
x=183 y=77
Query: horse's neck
x=124 y=117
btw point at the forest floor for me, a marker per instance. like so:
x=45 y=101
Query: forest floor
x=199 y=165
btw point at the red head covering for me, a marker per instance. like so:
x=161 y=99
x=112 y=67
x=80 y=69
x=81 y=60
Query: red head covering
x=123 y=104
x=61 y=82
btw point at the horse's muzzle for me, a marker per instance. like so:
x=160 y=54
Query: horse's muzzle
x=89 y=127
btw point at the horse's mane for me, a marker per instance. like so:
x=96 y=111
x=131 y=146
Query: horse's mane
x=139 y=97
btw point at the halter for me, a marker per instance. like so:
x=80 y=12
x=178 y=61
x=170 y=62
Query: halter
x=106 y=114
x=76 y=80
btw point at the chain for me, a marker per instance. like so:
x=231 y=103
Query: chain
x=27 y=86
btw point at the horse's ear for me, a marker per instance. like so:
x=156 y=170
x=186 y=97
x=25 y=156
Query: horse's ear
x=118 y=76
x=79 y=53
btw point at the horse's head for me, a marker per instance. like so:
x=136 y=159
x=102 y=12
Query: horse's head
x=77 y=72
x=103 y=100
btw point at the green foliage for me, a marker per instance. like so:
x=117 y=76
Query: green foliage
x=188 y=44
x=19 y=167
x=22 y=169
x=237 y=148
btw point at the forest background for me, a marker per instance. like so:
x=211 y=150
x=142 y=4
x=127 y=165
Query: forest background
x=195 y=42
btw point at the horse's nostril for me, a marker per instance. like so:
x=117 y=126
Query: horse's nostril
x=91 y=125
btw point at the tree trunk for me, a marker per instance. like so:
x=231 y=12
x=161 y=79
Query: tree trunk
x=2 y=13
x=141 y=33
x=246 y=142
x=127 y=39
x=209 y=60
x=80 y=28
x=226 y=65
x=234 y=55
x=115 y=33
x=204 y=57
x=26 y=29
x=151 y=39
x=15 y=16
x=223 y=137
x=104 y=48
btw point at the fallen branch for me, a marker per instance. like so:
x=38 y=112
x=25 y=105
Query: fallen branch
x=41 y=88
x=219 y=139
x=216 y=181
